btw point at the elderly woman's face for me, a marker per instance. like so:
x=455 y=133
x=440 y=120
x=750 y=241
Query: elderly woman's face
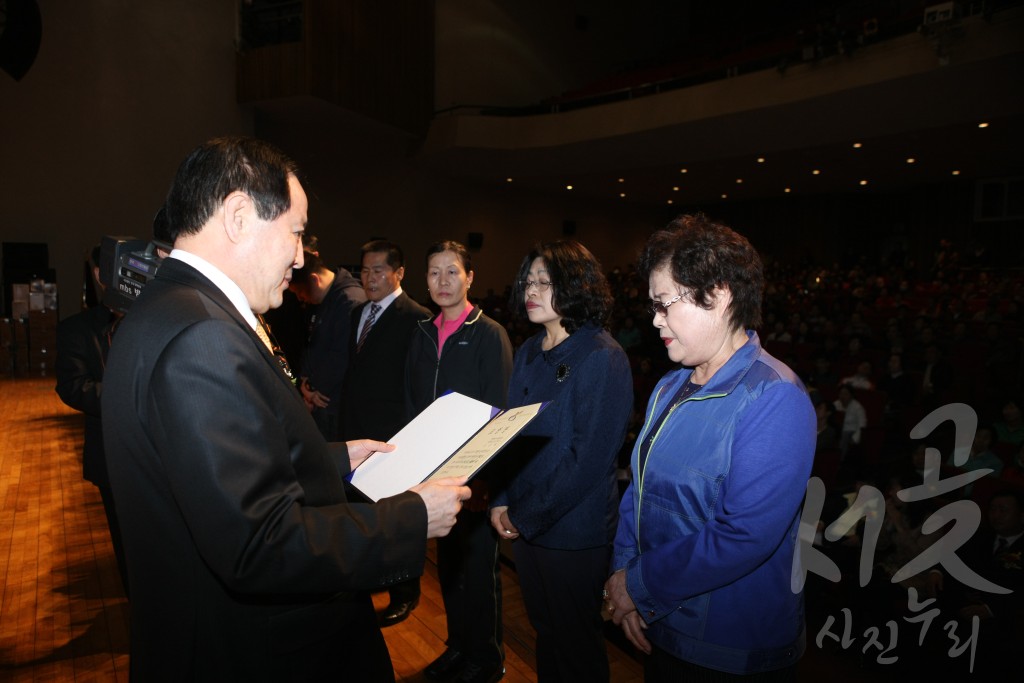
x=692 y=335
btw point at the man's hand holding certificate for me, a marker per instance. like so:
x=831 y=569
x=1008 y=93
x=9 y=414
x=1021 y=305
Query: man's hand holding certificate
x=455 y=436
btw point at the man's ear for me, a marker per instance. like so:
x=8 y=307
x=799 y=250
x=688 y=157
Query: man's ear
x=400 y=273
x=238 y=213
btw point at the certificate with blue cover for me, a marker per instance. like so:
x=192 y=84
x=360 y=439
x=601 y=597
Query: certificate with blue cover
x=455 y=436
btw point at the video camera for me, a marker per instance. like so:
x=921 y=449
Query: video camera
x=126 y=265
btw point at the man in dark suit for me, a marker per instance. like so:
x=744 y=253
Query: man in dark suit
x=329 y=296
x=375 y=384
x=246 y=561
x=83 y=340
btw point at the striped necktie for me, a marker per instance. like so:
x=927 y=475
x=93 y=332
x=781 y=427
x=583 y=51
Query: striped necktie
x=374 y=308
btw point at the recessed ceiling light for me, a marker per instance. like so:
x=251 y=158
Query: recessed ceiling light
x=725 y=196
x=670 y=201
x=760 y=160
x=956 y=172
x=815 y=172
x=857 y=145
x=622 y=194
x=568 y=187
x=787 y=190
x=863 y=182
x=983 y=124
x=682 y=170
x=739 y=181
x=675 y=188
x=508 y=180
x=622 y=180
x=911 y=160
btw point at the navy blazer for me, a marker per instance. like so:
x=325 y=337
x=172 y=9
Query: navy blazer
x=246 y=560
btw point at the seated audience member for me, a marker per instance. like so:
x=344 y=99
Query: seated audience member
x=1013 y=473
x=823 y=376
x=898 y=388
x=981 y=455
x=828 y=437
x=855 y=419
x=1010 y=429
x=994 y=554
x=937 y=376
x=629 y=335
x=861 y=379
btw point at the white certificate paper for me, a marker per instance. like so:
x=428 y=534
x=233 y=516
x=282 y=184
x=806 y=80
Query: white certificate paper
x=454 y=436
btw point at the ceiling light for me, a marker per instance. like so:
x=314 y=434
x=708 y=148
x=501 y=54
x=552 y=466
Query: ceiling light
x=675 y=188
x=568 y=187
x=682 y=170
x=725 y=196
x=857 y=145
x=983 y=124
x=815 y=172
x=863 y=182
x=622 y=194
x=787 y=190
x=508 y=180
x=911 y=160
x=670 y=201
x=622 y=180
x=760 y=160
x=739 y=181
x=956 y=172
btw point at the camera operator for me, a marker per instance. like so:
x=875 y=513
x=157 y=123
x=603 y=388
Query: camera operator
x=83 y=340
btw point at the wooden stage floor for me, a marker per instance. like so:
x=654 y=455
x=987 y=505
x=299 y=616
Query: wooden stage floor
x=63 y=615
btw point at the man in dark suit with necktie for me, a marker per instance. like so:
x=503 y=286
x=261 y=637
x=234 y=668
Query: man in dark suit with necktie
x=246 y=560
x=374 y=402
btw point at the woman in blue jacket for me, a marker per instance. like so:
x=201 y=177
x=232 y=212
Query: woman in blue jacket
x=707 y=530
x=560 y=498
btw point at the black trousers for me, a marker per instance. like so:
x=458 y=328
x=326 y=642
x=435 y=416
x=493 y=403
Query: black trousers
x=467 y=567
x=562 y=593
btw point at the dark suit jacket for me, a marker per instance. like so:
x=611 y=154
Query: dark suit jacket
x=1005 y=569
x=82 y=344
x=375 y=384
x=247 y=563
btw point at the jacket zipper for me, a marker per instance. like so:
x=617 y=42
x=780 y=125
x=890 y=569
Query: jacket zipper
x=654 y=438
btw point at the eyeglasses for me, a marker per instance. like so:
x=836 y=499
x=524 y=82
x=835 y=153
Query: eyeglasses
x=541 y=286
x=661 y=307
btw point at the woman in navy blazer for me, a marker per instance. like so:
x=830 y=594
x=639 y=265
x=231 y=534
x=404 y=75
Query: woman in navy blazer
x=560 y=496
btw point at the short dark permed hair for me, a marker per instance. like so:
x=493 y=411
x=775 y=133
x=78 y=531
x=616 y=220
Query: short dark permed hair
x=701 y=256
x=580 y=292
x=219 y=167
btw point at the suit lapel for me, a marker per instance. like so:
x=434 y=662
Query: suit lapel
x=182 y=273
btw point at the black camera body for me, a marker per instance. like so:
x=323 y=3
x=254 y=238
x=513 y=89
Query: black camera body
x=126 y=265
